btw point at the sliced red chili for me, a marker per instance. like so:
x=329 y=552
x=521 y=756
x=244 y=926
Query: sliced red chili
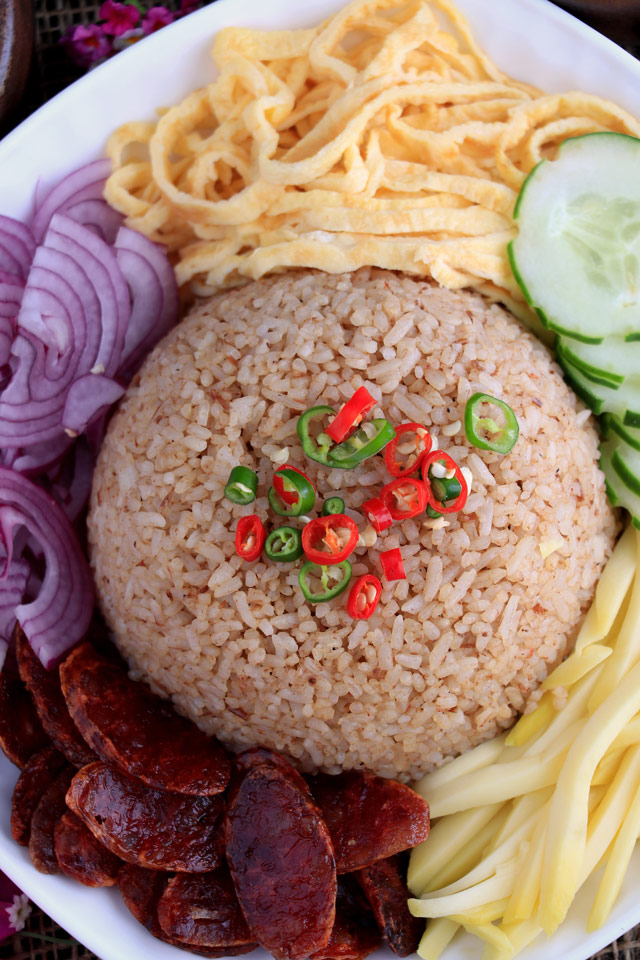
x=439 y=456
x=363 y=597
x=350 y=415
x=331 y=539
x=287 y=496
x=392 y=564
x=377 y=514
x=405 y=498
x=250 y=537
x=415 y=449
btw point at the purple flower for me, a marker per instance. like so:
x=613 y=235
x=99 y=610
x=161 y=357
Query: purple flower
x=118 y=17
x=86 y=45
x=14 y=908
x=155 y=18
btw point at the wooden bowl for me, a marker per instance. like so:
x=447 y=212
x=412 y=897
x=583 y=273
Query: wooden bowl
x=16 y=46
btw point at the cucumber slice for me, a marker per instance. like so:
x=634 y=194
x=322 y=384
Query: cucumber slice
x=577 y=252
x=565 y=348
x=618 y=492
x=623 y=400
x=626 y=463
x=613 y=360
x=612 y=424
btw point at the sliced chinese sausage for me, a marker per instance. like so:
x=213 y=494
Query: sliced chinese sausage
x=44 y=687
x=369 y=818
x=32 y=783
x=21 y=733
x=386 y=890
x=52 y=806
x=152 y=828
x=281 y=859
x=80 y=856
x=128 y=726
x=203 y=911
x=141 y=890
x=256 y=757
x=355 y=933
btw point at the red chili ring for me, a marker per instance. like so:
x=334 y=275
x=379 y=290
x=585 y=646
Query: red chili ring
x=419 y=500
x=317 y=531
x=396 y=469
x=439 y=456
x=358 y=591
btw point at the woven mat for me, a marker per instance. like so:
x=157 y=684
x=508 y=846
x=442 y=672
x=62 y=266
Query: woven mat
x=42 y=939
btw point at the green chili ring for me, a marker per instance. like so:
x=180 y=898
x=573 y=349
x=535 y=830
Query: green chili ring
x=316 y=448
x=506 y=435
x=241 y=486
x=332 y=505
x=284 y=545
x=327 y=572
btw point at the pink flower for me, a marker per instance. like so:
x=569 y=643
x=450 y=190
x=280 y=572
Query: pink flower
x=118 y=17
x=86 y=45
x=155 y=18
x=188 y=6
x=14 y=908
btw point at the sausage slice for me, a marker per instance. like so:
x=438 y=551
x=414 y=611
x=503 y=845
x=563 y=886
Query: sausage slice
x=151 y=828
x=32 y=783
x=369 y=818
x=128 y=726
x=281 y=859
x=44 y=687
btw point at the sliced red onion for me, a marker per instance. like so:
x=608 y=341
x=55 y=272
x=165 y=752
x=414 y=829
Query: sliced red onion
x=59 y=616
x=154 y=294
x=12 y=589
x=17 y=246
x=98 y=216
x=73 y=320
x=99 y=262
x=87 y=183
x=71 y=479
x=87 y=398
x=37 y=458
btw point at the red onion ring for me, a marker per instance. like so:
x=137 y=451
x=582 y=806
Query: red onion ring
x=12 y=590
x=154 y=294
x=17 y=246
x=59 y=616
x=87 y=183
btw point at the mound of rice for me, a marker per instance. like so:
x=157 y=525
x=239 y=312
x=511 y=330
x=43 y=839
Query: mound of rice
x=493 y=596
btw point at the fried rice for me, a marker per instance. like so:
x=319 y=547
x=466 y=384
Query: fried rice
x=493 y=597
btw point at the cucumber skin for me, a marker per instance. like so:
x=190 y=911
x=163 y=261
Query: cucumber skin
x=593 y=402
x=625 y=473
x=596 y=374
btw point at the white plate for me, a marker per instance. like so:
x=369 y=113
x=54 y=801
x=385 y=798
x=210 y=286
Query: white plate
x=532 y=40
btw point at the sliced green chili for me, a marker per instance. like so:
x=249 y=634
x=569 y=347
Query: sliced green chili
x=445 y=488
x=370 y=438
x=332 y=505
x=298 y=488
x=432 y=513
x=281 y=508
x=316 y=448
x=284 y=544
x=333 y=579
x=241 y=486
x=485 y=432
